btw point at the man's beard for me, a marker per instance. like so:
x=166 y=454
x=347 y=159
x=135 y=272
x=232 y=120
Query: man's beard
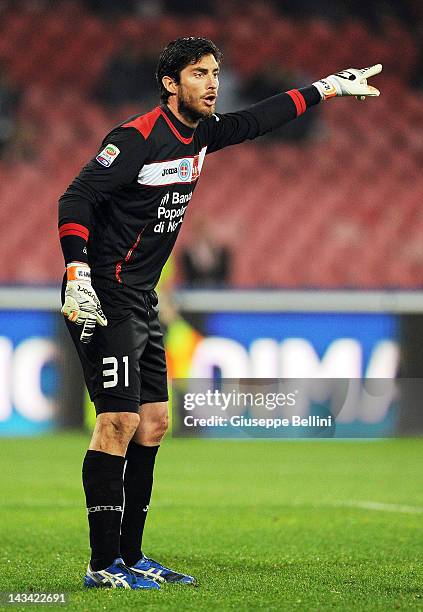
x=190 y=113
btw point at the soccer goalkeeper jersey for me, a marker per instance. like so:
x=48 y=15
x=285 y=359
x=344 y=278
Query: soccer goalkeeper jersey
x=123 y=212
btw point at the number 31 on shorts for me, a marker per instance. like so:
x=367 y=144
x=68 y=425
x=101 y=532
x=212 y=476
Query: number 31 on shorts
x=113 y=372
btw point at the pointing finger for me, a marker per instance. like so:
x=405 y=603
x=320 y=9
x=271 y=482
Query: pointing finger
x=371 y=71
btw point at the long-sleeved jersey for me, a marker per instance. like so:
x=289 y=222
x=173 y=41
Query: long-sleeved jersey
x=123 y=212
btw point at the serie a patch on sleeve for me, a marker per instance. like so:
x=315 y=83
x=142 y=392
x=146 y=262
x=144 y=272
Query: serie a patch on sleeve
x=108 y=155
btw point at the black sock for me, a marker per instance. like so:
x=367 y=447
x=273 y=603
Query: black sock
x=138 y=483
x=102 y=476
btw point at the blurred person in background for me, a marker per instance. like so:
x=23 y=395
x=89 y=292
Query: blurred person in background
x=231 y=96
x=129 y=76
x=23 y=146
x=9 y=100
x=118 y=224
x=205 y=263
x=165 y=291
x=269 y=82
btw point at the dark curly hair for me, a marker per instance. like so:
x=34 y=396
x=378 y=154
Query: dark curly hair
x=178 y=54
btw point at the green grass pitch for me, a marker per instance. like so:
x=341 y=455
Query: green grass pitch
x=325 y=525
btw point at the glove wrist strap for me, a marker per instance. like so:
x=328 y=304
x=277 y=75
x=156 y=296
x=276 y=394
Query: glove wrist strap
x=327 y=88
x=78 y=271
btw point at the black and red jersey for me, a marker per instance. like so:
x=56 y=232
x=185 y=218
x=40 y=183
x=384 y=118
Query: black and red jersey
x=123 y=212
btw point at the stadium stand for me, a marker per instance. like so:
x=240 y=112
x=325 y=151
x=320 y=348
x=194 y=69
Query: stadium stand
x=341 y=210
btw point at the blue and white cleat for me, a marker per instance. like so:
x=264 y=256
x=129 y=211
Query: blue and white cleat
x=117 y=575
x=160 y=573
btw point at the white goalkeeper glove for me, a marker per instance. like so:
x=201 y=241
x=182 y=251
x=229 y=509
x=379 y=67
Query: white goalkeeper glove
x=351 y=82
x=82 y=305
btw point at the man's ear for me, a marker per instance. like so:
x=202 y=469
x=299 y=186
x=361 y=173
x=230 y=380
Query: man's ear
x=170 y=85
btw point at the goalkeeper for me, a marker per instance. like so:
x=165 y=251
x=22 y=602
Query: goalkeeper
x=118 y=223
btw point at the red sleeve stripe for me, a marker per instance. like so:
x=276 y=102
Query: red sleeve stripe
x=298 y=99
x=74 y=229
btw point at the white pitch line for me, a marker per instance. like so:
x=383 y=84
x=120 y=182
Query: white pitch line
x=370 y=505
x=39 y=503
x=359 y=504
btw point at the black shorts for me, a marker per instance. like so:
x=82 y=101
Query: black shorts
x=125 y=363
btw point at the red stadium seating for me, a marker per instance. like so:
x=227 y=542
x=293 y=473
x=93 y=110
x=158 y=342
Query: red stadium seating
x=342 y=210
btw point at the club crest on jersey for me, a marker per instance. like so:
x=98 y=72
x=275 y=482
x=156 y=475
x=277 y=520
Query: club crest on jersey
x=108 y=155
x=184 y=170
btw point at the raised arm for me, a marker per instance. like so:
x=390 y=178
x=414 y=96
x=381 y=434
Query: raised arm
x=227 y=129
